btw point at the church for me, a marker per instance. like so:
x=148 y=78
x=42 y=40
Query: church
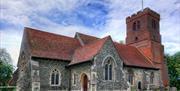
x=52 y=62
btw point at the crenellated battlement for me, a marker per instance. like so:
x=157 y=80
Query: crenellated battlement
x=143 y=12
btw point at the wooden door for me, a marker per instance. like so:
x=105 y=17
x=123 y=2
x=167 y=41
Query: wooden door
x=85 y=83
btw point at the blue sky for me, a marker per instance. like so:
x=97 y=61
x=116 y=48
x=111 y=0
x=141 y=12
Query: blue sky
x=95 y=17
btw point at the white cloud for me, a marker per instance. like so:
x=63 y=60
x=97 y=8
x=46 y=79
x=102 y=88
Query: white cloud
x=11 y=41
x=18 y=12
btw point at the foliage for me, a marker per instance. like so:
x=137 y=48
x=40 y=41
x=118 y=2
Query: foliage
x=173 y=63
x=6 y=71
x=6 y=68
x=121 y=42
x=5 y=57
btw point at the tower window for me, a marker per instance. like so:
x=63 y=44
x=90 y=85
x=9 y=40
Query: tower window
x=134 y=26
x=153 y=24
x=138 y=25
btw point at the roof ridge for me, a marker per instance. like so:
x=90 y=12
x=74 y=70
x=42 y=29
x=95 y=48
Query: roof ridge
x=87 y=35
x=93 y=42
x=28 y=29
x=90 y=44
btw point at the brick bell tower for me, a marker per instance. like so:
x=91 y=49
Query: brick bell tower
x=143 y=32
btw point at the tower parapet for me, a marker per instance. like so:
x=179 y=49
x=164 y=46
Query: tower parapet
x=146 y=11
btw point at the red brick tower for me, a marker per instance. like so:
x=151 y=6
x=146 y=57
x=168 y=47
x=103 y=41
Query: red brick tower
x=143 y=33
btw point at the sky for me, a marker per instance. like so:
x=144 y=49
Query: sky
x=94 y=17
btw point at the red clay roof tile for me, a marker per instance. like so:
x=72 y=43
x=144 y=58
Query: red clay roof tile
x=132 y=57
x=87 y=52
x=48 y=45
x=86 y=38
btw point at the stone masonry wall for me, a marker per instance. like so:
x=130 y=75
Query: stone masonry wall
x=139 y=74
x=45 y=68
x=79 y=69
x=119 y=83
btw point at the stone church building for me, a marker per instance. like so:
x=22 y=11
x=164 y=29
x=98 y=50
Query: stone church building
x=52 y=62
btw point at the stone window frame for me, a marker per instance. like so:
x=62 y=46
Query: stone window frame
x=113 y=67
x=74 y=78
x=59 y=82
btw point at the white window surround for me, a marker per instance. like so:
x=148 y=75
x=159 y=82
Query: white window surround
x=74 y=78
x=35 y=63
x=57 y=72
x=35 y=72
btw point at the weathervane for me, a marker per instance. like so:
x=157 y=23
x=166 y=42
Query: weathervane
x=142 y=5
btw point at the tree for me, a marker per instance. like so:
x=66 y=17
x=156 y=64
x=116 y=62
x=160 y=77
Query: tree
x=5 y=74
x=121 y=42
x=173 y=63
x=5 y=57
x=6 y=68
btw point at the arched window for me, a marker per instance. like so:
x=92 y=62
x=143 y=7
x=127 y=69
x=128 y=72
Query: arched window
x=152 y=77
x=109 y=68
x=138 y=25
x=153 y=24
x=55 y=77
x=130 y=76
x=134 y=26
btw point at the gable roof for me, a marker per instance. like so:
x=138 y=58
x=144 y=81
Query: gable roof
x=86 y=38
x=87 y=52
x=130 y=55
x=49 y=45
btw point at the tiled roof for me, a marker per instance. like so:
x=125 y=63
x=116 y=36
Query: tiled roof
x=86 y=38
x=86 y=52
x=53 y=46
x=49 y=45
x=131 y=56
